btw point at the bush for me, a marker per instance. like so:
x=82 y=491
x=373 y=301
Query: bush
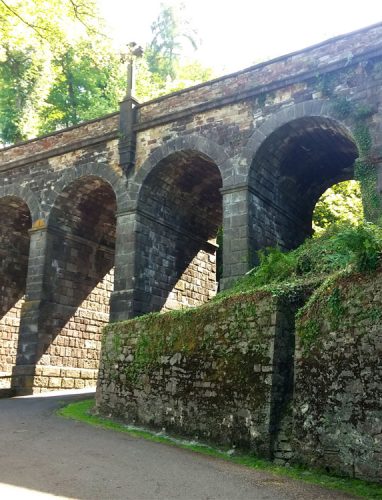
x=337 y=248
x=364 y=242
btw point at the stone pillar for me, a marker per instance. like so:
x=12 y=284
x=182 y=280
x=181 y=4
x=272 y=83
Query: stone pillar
x=236 y=242
x=122 y=301
x=127 y=140
x=27 y=352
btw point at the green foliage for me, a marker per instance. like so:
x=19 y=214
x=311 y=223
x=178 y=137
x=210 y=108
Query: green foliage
x=342 y=203
x=82 y=89
x=363 y=243
x=35 y=35
x=18 y=70
x=308 y=332
x=57 y=67
x=169 y=30
x=274 y=266
x=358 y=249
x=339 y=247
x=335 y=307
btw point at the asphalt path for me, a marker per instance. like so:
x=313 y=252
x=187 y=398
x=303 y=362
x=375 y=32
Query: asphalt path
x=46 y=456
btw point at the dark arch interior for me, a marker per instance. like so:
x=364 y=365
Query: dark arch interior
x=291 y=170
x=15 y=222
x=180 y=210
x=86 y=209
x=79 y=271
x=14 y=249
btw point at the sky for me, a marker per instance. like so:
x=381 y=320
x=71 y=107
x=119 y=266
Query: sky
x=239 y=33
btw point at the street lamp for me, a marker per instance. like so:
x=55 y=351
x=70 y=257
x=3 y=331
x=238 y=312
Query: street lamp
x=133 y=52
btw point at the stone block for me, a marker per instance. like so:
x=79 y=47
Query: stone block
x=55 y=382
x=67 y=383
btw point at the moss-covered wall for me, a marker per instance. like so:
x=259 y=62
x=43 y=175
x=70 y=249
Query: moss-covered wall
x=229 y=372
x=338 y=386
x=220 y=372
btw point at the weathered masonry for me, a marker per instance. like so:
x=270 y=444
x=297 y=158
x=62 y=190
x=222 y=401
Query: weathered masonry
x=141 y=195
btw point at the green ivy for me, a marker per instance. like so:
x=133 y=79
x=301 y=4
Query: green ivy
x=335 y=307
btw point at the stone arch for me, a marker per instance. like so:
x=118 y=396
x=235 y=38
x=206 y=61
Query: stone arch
x=100 y=170
x=179 y=213
x=319 y=107
x=194 y=143
x=25 y=194
x=294 y=157
x=78 y=273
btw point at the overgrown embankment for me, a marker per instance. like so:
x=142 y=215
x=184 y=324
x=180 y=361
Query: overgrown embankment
x=224 y=372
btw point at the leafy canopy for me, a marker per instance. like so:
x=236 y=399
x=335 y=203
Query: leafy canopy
x=58 y=68
x=339 y=204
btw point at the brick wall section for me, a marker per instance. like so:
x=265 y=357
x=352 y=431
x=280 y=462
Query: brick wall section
x=220 y=373
x=180 y=211
x=14 y=249
x=228 y=126
x=176 y=270
x=197 y=284
x=78 y=281
x=338 y=391
x=56 y=144
x=9 y=335
x=71 y=360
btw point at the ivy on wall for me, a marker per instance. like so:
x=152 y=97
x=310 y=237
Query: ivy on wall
x=364 y=168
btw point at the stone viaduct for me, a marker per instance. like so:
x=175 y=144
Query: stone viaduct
x=121 y=214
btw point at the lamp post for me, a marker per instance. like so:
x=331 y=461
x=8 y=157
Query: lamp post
x=127 y=113
x=133 y=52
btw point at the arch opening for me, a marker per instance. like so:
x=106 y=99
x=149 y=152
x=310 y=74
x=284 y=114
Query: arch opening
x=78 y=281
x=290 y=171
x=341 y=203
x=180 y=213
x=15 y=223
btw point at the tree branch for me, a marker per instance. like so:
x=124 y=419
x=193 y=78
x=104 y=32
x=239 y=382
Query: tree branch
x=24 y=21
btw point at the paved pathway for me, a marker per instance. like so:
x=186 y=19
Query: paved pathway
x=42 y=455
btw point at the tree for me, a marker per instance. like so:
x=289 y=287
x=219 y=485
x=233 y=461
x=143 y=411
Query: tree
x=34 y=34
x=170 y=30
x=57 y=68
x=49 y=23
x=340 y=203
x=82 y=89
x=17 y=71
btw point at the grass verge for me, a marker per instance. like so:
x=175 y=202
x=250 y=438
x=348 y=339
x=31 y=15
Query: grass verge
x=81 y=411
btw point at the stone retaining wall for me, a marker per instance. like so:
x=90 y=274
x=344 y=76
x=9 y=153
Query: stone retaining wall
x=220 y=373
x=229 y=373
x=338 y=391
